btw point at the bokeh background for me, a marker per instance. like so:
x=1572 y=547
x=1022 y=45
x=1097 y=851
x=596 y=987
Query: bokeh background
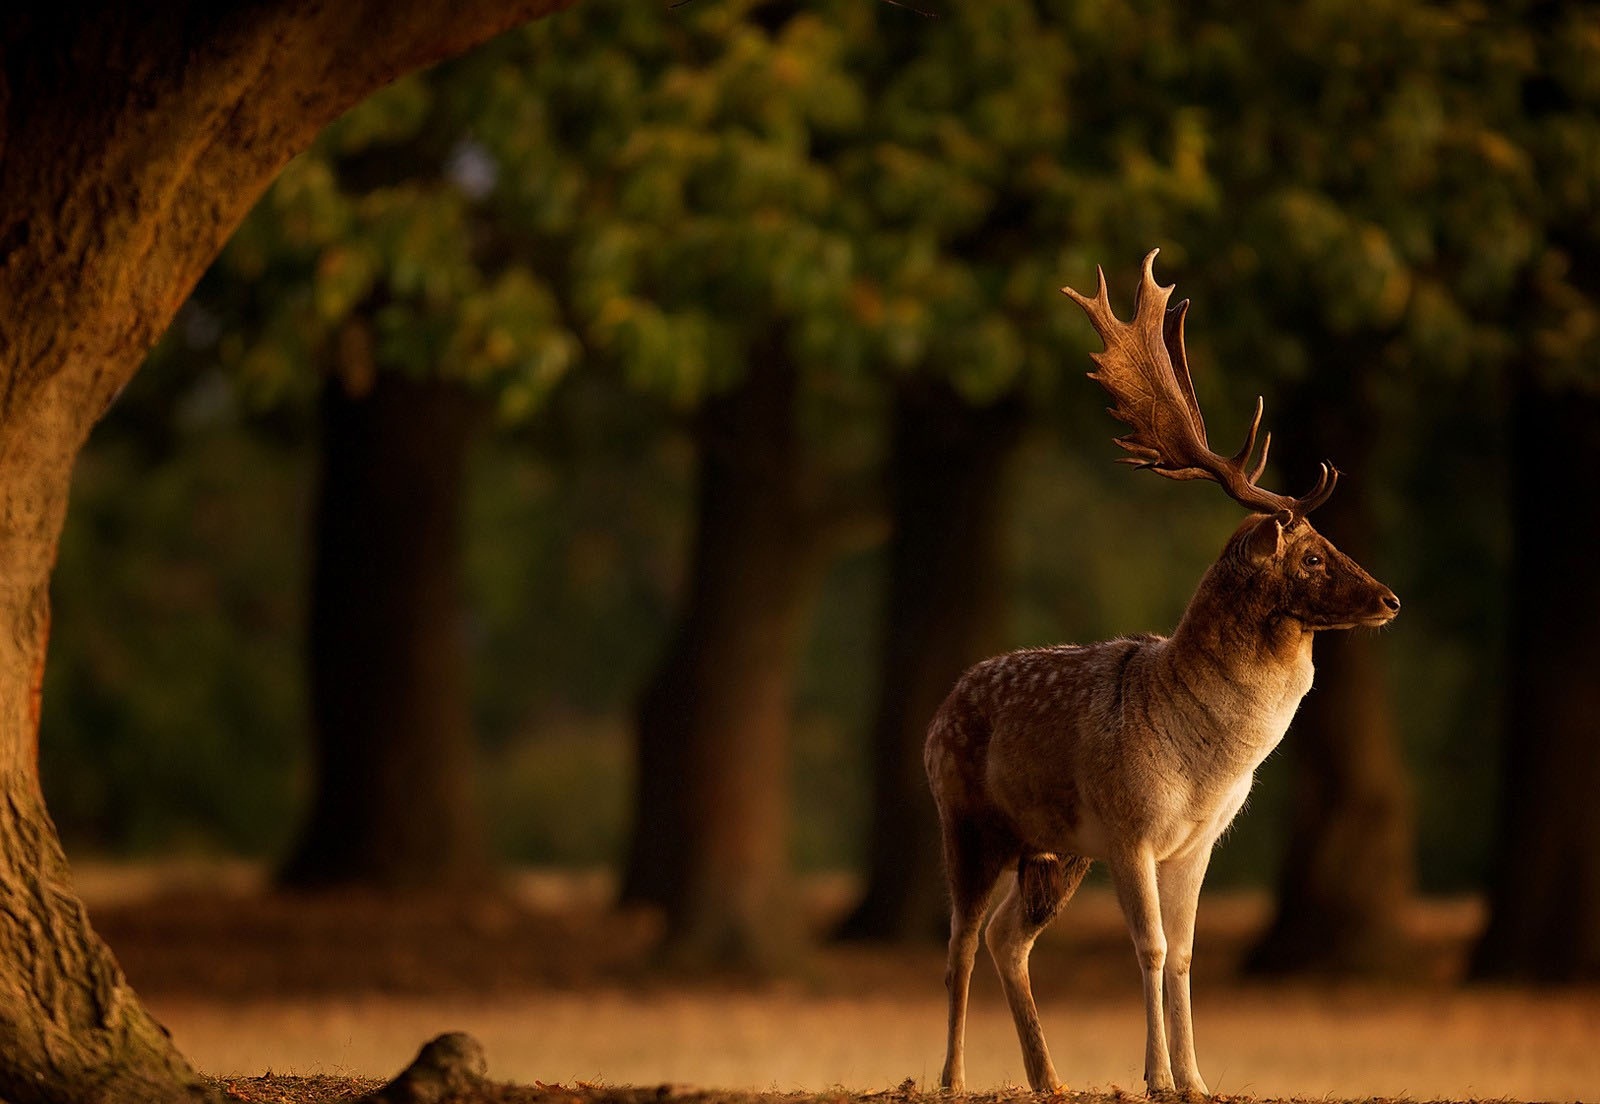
x=603 y=451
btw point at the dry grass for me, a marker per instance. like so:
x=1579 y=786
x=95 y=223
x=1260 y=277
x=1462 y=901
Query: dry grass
x=292 y=1090
x=273 y=1089
x=559 y=992
x=1352 y=1046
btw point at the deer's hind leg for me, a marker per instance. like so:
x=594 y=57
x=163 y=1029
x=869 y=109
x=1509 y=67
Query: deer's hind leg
x=1045 y=883
x=973 y=861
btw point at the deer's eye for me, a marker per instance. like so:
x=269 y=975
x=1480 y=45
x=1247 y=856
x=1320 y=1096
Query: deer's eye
x=1312 y=560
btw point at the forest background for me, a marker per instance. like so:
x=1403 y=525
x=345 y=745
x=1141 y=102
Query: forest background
x=639 y=334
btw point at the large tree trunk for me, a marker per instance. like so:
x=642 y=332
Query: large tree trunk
x=70 y=1028
x=1544 y=908
x=1348 y=870
x=393 y=805
x=711 y=832
x=132 y=141
x=946 y=477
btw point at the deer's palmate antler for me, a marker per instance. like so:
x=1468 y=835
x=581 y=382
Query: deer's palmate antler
x=1138 y=751
x=1146 y=370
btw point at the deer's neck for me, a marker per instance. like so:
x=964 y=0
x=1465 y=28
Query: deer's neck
x=1237 y=672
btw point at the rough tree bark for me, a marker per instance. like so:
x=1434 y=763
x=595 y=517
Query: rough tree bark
x=393 y=803
x=711 y=833
x=1544 y=905
x=1348 y=870
x=70 y=1027
x=946 y=477
x=133 y=138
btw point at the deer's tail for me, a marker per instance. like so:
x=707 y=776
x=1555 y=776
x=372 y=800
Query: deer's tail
x=1047 y=882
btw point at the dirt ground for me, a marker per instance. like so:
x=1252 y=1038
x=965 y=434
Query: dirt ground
x=560 y=991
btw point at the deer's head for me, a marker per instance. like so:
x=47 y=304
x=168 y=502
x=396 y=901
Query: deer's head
x=1283 y=565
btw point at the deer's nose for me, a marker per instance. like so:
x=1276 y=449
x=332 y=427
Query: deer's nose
x=1392 y=602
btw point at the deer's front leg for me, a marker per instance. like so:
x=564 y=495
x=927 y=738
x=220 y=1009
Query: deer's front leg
x=1135 y=876
x=1180 y=880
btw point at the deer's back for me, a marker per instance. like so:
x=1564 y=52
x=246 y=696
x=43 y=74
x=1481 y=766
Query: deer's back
x=1018 y=732
x=1080 y=748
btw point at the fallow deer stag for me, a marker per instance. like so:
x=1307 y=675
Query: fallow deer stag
x=1137 y=751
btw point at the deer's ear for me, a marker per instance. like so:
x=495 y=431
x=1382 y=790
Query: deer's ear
x=1264 y=543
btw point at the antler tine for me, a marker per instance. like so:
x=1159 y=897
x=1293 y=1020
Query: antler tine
x=1261 y=464
x=1099 y=308
x=1145 y=368
x=1249 y=445
x=1172 y=336
x=1320 y=493
x=1147 y=284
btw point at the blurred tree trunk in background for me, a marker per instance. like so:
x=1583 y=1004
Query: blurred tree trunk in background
x=1544 y=886
x=1348 y=870
x=393 y=805
x=946 y=483
x=1544 y=904
x=711 y=830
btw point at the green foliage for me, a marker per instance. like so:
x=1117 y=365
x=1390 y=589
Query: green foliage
x=174 y=687
x=613 y=213
x=376 y=226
